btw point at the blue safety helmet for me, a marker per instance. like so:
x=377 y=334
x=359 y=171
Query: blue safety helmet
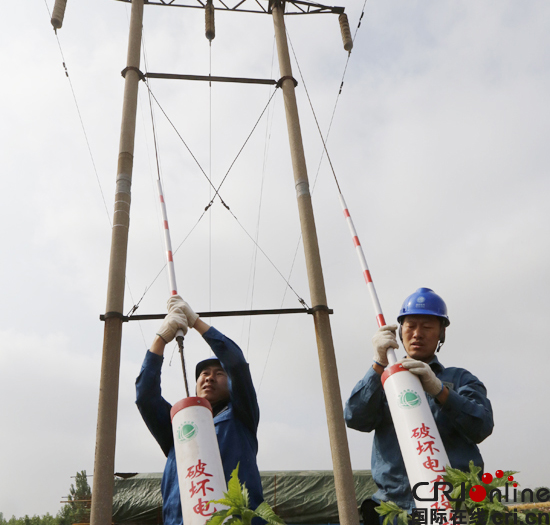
x=424 y=302
x=203 y=364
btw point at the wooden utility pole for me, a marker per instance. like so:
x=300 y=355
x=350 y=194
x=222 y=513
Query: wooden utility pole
x=343 y=476
x=102 y=493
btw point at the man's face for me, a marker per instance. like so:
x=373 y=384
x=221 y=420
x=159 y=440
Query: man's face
x=421 y=335
x=212 y=384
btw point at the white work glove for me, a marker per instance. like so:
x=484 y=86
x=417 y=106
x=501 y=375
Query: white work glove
x=430 y=383
x=175 y=320
x=177 y=302
x=383 y=339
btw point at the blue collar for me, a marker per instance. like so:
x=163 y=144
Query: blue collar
x=435 y=365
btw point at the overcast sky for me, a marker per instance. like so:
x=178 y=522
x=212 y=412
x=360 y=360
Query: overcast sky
x=440 y=145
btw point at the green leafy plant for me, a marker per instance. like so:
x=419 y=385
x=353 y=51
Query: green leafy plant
x=237 y=502
x=390 y=511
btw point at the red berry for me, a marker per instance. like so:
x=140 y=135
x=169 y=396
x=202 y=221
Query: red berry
x=487 y=478
x=478 y=493
x=510 y=478
x=499 y=473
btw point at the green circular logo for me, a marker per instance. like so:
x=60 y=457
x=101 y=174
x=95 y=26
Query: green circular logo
x=409 y=399
x=187 y=431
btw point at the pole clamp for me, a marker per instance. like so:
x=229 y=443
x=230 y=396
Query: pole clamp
x=282 y=79
x=133 y=68
x=320 y=308
x=110 y=315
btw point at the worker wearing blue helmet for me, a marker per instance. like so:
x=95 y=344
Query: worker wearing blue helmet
x=225 y=381
x=457 y=399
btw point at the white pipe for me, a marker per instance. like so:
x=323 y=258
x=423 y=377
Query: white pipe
x=199 y=464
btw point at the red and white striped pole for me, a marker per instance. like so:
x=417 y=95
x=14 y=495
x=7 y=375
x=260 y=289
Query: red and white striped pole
x=421 y=445
x=366 y=274
x=167 y=242
x=171 y=273
x=198 y=459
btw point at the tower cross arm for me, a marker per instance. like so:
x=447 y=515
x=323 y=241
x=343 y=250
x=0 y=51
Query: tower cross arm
x=292 y=7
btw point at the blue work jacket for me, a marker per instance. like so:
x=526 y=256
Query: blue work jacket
x=236 y=424
x=466 y=418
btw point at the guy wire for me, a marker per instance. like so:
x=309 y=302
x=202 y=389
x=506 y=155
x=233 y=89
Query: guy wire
x=216 y=190
x=243 y=146
x=80 y=118
x=154 y=135
x=302 y=301
x=315 y=115
x=179 y=135
x=252 y=277
x=88 y=145
x=318 y=168
x=325 y=139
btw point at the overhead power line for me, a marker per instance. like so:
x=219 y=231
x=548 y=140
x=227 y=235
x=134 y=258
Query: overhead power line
x=80 y=118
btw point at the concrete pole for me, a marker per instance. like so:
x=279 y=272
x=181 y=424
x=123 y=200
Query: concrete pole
x=104 y=465
x=343 y=476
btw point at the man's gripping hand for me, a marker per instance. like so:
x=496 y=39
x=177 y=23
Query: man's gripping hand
x=383 y=339
x=175 y=319
x=431 y=384
x=177 y=302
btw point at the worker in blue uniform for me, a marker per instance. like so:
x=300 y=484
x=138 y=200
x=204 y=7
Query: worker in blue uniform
x=225 y=381
x=457 y=399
